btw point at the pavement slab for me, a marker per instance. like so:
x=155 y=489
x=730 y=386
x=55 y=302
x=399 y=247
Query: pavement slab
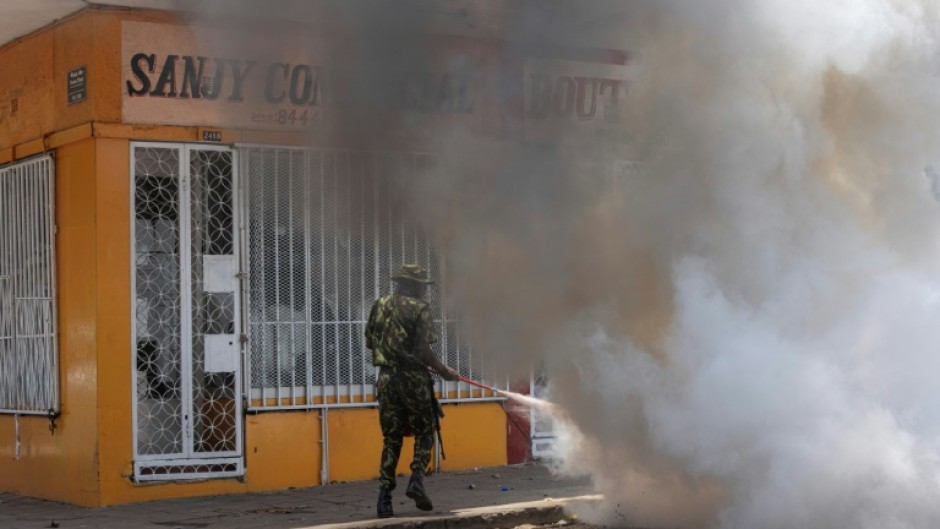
x=484 y=498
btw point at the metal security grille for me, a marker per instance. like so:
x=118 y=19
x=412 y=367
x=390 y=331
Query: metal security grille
x=187 y=406
x=157 y=302
x=325 y=230
x=29 y=382
x=213 y=302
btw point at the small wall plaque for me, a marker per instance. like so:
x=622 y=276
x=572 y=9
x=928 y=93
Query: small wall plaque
x=78 y=85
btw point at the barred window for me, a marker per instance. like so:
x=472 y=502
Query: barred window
x=325 y=232
x=28 y=348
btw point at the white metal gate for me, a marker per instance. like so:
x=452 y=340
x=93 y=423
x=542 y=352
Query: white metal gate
x=187 y=369
x=542 y=426
x=29 y=377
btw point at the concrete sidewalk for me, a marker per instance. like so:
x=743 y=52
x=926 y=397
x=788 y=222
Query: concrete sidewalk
x=488 y=498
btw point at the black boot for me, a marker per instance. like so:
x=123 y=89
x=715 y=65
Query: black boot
x=384 y=507
x=416 y=492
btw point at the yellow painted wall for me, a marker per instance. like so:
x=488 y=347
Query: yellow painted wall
x=355 y=444
x=63 y=466
x=28 y=74
x=88 y=460
x=113 y=263
x=35 y=71
x=474 y=436
x=283 y=450
x=92 y=447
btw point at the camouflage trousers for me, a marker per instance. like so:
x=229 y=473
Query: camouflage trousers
x=405 y=398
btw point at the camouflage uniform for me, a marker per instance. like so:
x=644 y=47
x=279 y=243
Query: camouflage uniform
x=397 y=324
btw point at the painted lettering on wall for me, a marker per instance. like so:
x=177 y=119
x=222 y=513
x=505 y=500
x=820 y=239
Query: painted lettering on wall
x=284 y=83
x=227 y=79
x=449 y=93
x=566 y=96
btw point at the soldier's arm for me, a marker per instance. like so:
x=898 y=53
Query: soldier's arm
x=426 y=335
x=369 y=325
x=431 y=360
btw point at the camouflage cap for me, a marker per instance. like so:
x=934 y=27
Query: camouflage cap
x=412 y=272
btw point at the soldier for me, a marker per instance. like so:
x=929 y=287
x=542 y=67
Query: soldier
x=400 y=333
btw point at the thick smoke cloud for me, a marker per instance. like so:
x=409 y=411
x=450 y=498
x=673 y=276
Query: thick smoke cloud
x=736 y=301
x=801 y=244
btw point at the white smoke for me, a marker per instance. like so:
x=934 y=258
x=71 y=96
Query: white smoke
x=831 y=428
x=743 y=334
x=797 y=387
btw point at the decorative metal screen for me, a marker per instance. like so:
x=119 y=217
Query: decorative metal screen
x=213 y=304
x=187 y=406
x=157 y=305
x=325 y=230
x=29 y=380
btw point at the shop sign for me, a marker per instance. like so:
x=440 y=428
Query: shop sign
x=573 y=99
x=187 y=77
x=571 y=96
x=171 y=76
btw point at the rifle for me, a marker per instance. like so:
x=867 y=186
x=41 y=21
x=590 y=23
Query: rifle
x=438 y=412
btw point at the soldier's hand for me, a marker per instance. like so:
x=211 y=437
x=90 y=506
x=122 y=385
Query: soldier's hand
x=451 y=375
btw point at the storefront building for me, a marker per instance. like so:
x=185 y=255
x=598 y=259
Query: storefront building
x=185 y=268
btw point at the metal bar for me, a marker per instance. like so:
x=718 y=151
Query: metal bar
x=371 y=404
x=6 y=288
x=52 y=368
x=14 y=411
x=186 y=292
x=256 y=273
x=308 y=281
x=376 y=241
x=323 y=348
x=444 y=322
x=336 y=329
x=414 y=178
x=403 y=229
x=35 y=312
x=277 y=281
x=266 y=310
x=28 y=236
x=245 y=268
x=291 y=290
x=27 y=364
x=390 y=226
x=49 y=243
x=237 y=314
x=349 y=273
x=17 y=253
x=50 y=171
x=362 y=275
x=134 y=301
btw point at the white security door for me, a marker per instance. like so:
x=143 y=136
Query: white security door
x=187 y=367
